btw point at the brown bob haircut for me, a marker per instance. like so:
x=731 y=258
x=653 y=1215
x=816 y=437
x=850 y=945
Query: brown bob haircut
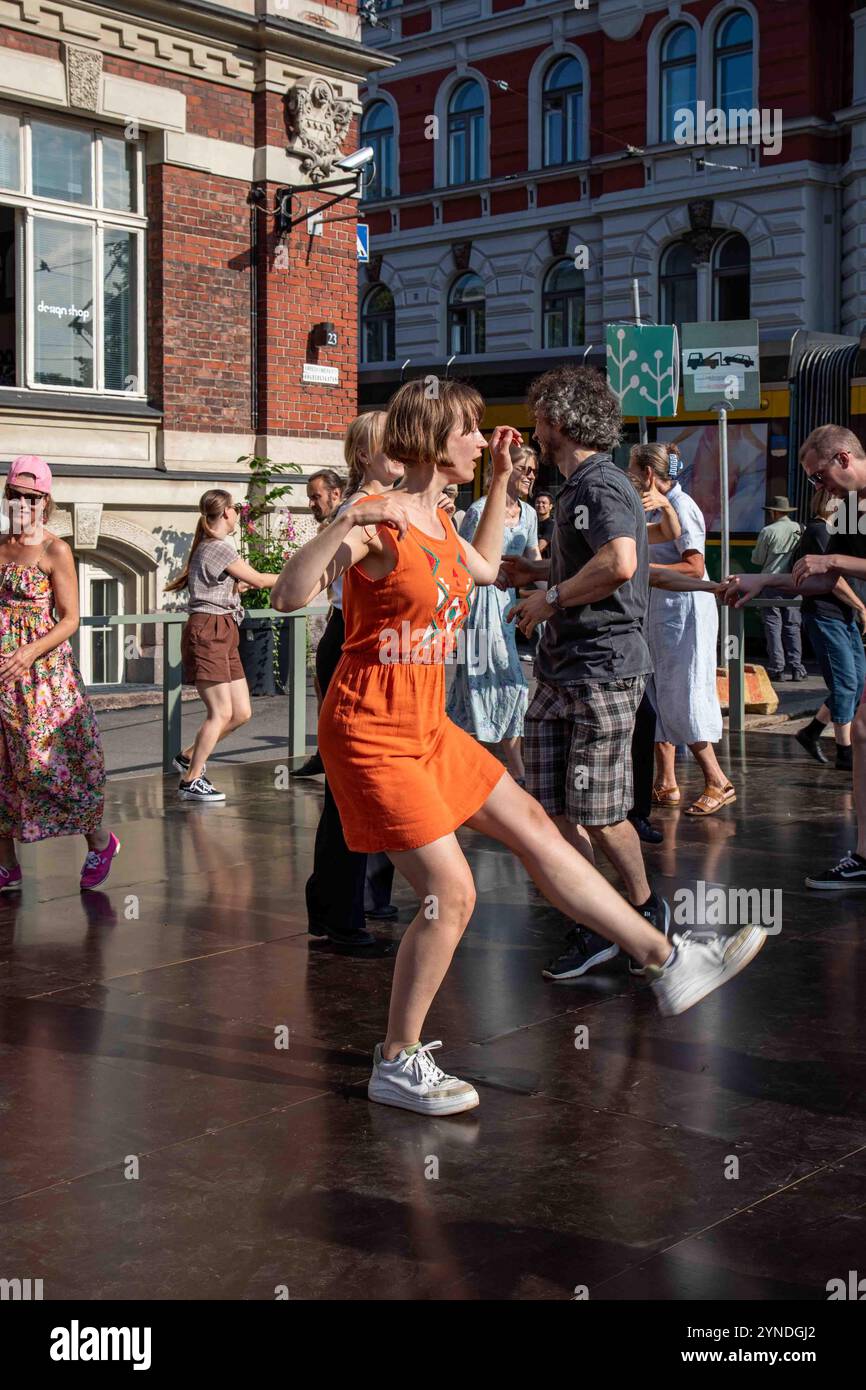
x=423 y=413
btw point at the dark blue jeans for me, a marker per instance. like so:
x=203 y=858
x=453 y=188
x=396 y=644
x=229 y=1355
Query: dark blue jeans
x=838 y=647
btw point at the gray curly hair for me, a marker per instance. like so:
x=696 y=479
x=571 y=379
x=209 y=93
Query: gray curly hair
x=578 y=401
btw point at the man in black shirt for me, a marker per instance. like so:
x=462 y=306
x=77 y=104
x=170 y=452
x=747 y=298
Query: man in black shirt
x=832 y=457
x=592 y=660
x=543 y=504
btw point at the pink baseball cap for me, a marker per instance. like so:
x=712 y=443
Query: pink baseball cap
x=36 y=467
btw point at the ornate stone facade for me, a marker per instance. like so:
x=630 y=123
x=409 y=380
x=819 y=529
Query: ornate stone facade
x=319 y=123
x=83 y=72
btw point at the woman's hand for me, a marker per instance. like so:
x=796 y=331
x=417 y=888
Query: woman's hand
x=739 y=588
x=16 y=665
x=385 y=509
x=501 y=440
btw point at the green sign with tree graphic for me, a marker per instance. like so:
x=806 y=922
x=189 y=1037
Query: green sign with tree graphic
x=643 y=368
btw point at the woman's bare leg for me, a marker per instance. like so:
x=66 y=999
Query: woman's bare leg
x=513 y=756
x=666 y=771
x=442 y=879
x=705 y=757
x=564 y=876
x=217 y=699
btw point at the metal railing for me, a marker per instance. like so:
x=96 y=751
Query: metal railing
x=172 y=671
x=172 y=675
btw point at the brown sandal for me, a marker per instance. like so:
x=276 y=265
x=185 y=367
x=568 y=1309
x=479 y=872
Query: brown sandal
x=712 y=799
x=666 y=796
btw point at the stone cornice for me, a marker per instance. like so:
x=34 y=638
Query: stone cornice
x=195 y=38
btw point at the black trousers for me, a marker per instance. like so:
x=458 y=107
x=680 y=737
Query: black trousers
x=643 y=757
x=335 y=889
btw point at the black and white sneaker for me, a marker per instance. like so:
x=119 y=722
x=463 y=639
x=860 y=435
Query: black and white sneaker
x=183 y=764
x=583 y=950
x=849 y=873
x=658 y=914
x=199 y=790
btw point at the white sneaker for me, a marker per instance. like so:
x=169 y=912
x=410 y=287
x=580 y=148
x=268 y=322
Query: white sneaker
x=697 y=967
x=414 y=1082
x=199 y=790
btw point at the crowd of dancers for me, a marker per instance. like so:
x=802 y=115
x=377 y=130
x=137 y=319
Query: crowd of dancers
x=608 y=580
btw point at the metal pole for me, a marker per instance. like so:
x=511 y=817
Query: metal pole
x=297 y=686
x=737 y=673
x=172 y=681
x=635 y=294
x=724 y=626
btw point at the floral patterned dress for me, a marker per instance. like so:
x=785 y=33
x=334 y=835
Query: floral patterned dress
x=52 y=774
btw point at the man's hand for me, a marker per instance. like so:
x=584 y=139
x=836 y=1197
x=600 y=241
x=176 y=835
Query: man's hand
x=530 y=611
x=17 y=664
x=739 y=588
x=520 y=572
x=812 y=564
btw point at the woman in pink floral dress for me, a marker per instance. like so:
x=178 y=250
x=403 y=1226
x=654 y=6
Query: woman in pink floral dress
x=52 y=775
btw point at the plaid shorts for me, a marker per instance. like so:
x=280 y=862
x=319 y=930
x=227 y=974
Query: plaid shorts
x=577 y=748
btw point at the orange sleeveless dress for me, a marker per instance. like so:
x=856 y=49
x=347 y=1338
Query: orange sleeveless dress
x=402 y=774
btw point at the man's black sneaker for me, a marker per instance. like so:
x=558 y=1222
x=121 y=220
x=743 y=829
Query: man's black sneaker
x=844 y=758
x=583 y=950
x=775 y=675
x=382 y=914
x=658 y=914
x=199 y=790
x=812 y=746
x=645 y=831
x=313 y=767
x=799 y=673
x=849 y=873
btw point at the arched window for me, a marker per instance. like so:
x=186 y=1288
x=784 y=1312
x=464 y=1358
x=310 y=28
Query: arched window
x=731 y=279
x=467 y=158
x=563 y=306
x=377 y=130
x=678 y=285
x=377 y=325
x=562 y=112
x=679 y=69
x=466 y=313
x=733 y=63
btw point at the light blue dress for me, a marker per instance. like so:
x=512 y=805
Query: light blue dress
x=682 y=631
x=490 y=693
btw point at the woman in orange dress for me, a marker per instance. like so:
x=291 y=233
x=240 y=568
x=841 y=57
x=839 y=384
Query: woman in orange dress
x=404 y=777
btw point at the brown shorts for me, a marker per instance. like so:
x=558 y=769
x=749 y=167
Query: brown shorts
x=209 y=648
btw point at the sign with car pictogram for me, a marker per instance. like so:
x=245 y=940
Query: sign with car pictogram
x=721 y=363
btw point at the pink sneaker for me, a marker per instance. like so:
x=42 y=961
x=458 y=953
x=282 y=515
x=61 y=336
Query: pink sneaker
x=97 y=865
x=10 y=879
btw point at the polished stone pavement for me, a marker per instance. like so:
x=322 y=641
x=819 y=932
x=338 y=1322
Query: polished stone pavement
x=139 y=1036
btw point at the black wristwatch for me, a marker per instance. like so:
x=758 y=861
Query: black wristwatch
x=552 y=597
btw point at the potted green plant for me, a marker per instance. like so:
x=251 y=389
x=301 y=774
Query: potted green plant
x=267 y=538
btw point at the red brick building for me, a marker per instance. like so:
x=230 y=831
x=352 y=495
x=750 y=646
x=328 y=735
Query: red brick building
x=512 y=134
x=154 y=323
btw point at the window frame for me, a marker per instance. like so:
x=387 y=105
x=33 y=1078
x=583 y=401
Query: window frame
x=547 y=294
x=479 y=114
x=669 y=65
x=718 y=274
x=472 y=310
x=27 y=206
x=580 y=91
x=718 y=52
x=377 y=136
x=366 y=361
